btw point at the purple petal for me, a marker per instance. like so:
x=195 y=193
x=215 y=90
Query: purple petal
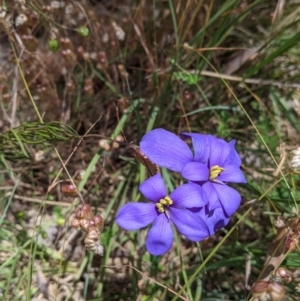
x=233 y=174
x=219 y=151
x=215 y=219
x=234 y=157
x=189 y=196
x=166 y=149
x=212 y=195
x=189 y=224
x=153 y=188
x=228 y=197
x=160 y=236
x=201 y=146
x=134 y=216
x=195 y=171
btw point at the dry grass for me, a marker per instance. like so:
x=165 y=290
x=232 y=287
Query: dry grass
x=114 y=70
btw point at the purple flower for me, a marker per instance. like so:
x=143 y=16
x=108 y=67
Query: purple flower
x=163 y=211
x=212 y=164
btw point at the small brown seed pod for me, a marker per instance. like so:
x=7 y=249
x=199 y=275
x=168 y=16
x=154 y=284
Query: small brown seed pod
x=116 y=143
x=66 y=43
x=96 y=248
x=92 y=226
x=282 y=275
x=84 y=212
x=84 y=225
x=92 y=241
x=70 y=85
x=69 y=56
x=69 y=190
x=187 y=95
x=88 y=87
x=30 y=42
x=276 y=291
x=75 y=224
x=122 y=71
x=102 y=60
x=98 y=222
x=263 y=290
x=123 y=104
x=92 y=234
x=259 y=288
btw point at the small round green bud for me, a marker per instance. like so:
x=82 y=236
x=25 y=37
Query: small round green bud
x=83 y=31
x=53 y=45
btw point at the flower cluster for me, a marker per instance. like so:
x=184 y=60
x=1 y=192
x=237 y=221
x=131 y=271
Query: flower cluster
x=198 y=208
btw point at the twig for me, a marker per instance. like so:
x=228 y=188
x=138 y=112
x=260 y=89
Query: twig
x=53 y=184
x=27 y=199
x=153 y=280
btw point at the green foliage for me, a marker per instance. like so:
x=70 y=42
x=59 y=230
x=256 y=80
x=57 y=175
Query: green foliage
x=13 y=142
x=170 y=71
x=190 y=79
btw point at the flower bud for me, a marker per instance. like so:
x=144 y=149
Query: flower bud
x=53 y=45
x=83 y=31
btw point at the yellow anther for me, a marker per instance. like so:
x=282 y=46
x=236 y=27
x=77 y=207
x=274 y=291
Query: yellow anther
x=168 y=200
x=215 y=171
x=163 y=203
x=160 y=207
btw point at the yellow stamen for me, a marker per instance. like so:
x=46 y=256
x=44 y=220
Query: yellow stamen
x=160 y=207
x=215 y=171
x=163 y=203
